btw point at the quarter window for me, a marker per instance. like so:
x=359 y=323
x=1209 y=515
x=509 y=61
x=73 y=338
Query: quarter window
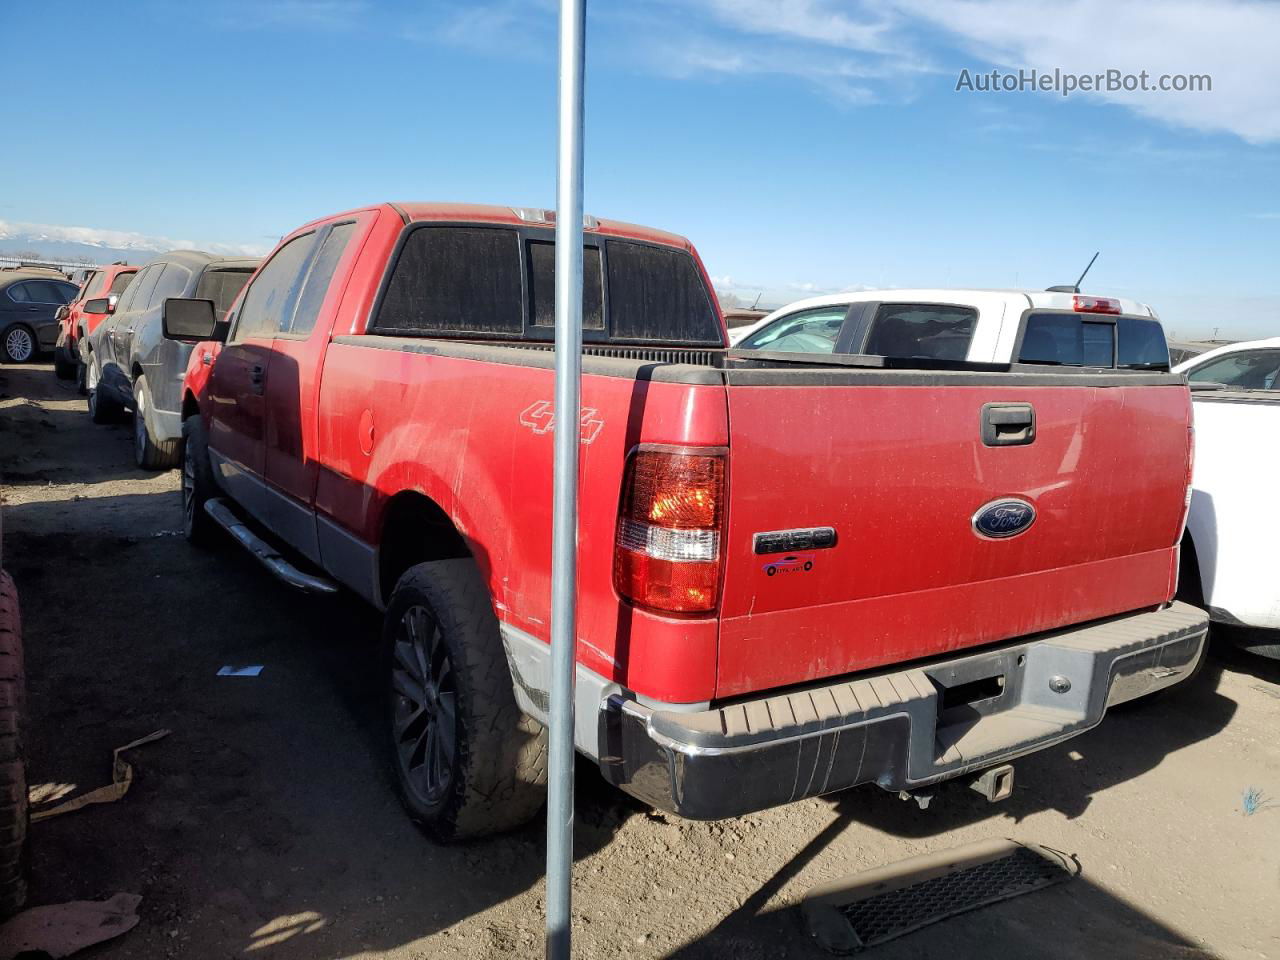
x=93 y=285
x=274 y=291
x=172 y=283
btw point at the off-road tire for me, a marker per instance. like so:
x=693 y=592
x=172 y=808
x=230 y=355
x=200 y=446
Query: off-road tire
x=148 y=452
x=198 y=484
x=64 y=366
x=499 y=767
x=102 y=408
x=13 y=771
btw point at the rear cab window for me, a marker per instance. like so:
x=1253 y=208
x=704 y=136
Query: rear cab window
x=497 y=282
x=1066 y=338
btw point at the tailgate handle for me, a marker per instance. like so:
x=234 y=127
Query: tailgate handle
x=1008 y=424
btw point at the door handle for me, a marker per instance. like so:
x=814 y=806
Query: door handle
x=256 y=377
x=1008 y=424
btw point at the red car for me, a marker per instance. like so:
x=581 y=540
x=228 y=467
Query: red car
x=797 y=572
x=74 y=325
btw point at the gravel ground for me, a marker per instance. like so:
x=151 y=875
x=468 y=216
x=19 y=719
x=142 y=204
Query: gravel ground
x=266 y=822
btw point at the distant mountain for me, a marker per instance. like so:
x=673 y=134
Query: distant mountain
x=54 y=242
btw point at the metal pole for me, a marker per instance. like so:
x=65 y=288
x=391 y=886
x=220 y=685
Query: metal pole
x=564 y=546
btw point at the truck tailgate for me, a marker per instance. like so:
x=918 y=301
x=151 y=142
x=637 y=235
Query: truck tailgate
x=900 y=471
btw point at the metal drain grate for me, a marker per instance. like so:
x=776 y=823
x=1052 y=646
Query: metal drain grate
x=871 y=908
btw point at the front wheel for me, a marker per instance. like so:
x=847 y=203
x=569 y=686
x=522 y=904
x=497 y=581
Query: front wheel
x=102 y=407
x=13 y=770
x=19 y=344
x=467 y=761
x=148 y=452
x=197 y=483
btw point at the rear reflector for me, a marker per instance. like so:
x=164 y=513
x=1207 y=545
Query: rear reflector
x=1095 y=305
x=667 y=552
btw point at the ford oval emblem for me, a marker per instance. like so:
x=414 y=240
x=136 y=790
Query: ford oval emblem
x=1000 y=519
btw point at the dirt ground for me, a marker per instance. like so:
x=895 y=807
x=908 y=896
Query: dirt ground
x=266 y=822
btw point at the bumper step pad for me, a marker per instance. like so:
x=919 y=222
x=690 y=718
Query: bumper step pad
x=867 y=909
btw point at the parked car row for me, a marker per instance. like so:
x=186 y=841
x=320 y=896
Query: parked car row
x=894 y=537
x=129 y=367
x=74 y=324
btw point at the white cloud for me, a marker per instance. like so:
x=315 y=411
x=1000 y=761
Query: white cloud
x=1233 y=41
x=33 y=234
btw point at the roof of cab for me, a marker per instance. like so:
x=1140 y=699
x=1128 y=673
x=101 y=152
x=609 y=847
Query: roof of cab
x=1041 y=299
x=198 y=260
x=488 y=213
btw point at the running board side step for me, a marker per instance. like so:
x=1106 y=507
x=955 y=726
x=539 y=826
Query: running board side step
x=268 y=555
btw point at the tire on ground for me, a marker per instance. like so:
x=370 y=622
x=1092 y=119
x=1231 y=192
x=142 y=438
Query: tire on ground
x=148 y=452
x=499 y=774
x=13 y=774
x=64 y=366
x=102 y=407
x=32 y=344
x=198 y=485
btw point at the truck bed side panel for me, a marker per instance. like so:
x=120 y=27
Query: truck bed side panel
x=476 y=438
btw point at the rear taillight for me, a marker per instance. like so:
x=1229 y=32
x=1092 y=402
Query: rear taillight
x=667 y=553
x=1095 y=305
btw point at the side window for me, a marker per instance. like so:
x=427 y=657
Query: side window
x=19 y=293
x=172 y=283
x=932 y=331
x=39 y=291
x=317 y=285
x=455 y=280
x=66 y=292
x=805 y=331
x=273 y=292
x=141 y=291
x=121 y=282
x=1247 y=370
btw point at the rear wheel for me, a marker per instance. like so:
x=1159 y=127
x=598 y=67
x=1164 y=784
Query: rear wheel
x=13 y=770
x=150 y=453
x=197 y=483
x=64 y=364
x=467 y=761
x=19 y=344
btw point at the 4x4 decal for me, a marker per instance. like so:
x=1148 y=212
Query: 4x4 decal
x=540 y=417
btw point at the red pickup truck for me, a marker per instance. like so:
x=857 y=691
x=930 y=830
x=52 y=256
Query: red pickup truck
x=798 y=573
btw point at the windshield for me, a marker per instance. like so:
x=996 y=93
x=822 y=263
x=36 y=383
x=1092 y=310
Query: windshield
x=1246 y=370
x=1091 y=340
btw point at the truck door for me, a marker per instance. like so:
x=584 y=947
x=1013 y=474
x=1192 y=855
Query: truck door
x=238 y=383
x=293 y=383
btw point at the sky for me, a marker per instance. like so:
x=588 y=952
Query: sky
x=804 y=146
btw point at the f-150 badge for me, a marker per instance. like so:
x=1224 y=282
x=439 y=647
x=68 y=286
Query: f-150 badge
x=1001 y=519
x=540 y=417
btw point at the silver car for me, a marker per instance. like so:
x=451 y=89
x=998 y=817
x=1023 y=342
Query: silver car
x=130 y=366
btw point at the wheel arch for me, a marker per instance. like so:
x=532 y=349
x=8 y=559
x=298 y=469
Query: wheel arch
x=415 y=529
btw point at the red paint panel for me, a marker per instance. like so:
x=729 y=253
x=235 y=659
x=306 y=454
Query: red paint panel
x=474 y=437
x=900 y=472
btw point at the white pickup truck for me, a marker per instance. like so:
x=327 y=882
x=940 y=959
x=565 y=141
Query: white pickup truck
x=1053 y=328
x=1234 y=526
